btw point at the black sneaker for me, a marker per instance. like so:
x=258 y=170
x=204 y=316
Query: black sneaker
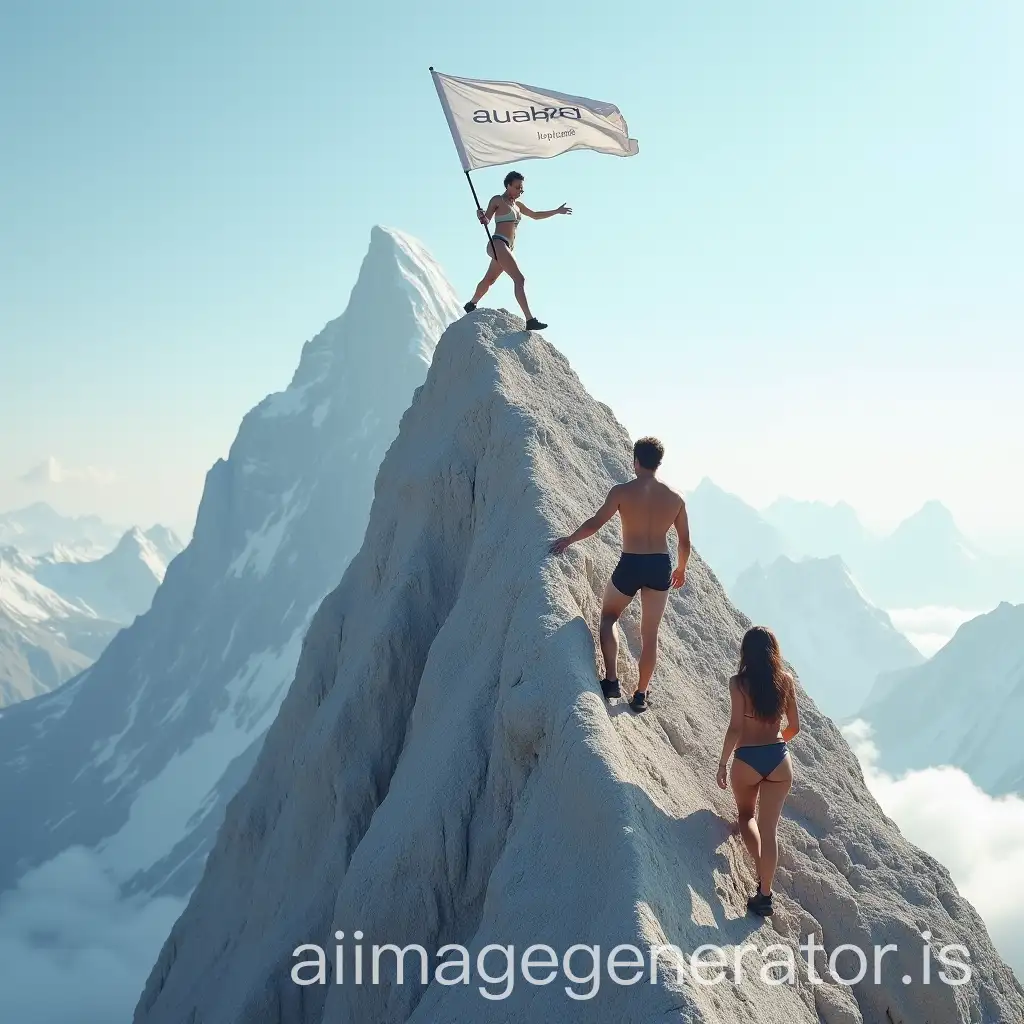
x=610 y=688
x=640 y=701
x=469 y=307
x=533 y=324
x=760 y=904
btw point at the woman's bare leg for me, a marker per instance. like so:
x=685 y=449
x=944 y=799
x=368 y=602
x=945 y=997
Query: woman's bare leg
x=745 y=784
x=774 y=791
x=507 y=262
x=494 y=271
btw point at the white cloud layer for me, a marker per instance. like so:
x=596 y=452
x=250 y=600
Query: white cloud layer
x=51 y=471
x=930 y=628
x=977 y=837
x=72 y=949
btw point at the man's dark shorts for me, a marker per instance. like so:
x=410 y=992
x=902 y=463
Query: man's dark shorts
x=635 y=571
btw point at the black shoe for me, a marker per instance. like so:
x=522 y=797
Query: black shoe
x=760 y=904
x=610 y=688
x=533 y=324
x=640 y=701
x=469 y=307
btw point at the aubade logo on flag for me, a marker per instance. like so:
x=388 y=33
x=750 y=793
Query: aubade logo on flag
x=533 y=114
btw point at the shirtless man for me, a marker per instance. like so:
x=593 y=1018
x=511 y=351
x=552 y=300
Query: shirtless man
x=647 y=508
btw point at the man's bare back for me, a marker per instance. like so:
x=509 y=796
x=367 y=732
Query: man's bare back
x=648 y=509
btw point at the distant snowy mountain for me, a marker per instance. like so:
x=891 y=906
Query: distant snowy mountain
x=964 y=707
x=59 y=611
x=38 y=529
x=926 y=560
x=730 y=534
x=166 y=543
x=44 y=639
x=137 y=757
x=814 y=529
x=835 y=639
x=119 y=586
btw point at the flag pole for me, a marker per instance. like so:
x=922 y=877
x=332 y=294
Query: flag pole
x=472 y=187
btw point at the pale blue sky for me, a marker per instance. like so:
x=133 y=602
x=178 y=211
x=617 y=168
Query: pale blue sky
x=810 y=281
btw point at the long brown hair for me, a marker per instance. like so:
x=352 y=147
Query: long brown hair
x=762 y=676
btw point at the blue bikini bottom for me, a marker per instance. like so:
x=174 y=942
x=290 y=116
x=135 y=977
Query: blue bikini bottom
x=763 y=758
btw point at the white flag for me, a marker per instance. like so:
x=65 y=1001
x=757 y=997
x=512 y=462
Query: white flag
x=503 y=122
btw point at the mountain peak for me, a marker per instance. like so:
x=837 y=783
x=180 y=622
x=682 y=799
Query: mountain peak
x=400 y=304
x=43 y=508
x=39 y=528
x=445 y=724
x=133 y=544
x=934 y=512
x=165 y=540
x=933 y=521
x=708 y=486
x=204 y=670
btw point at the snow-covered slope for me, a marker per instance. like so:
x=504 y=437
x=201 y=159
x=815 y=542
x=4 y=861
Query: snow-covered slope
x=22 y=596
x=836 y=640
x=964 y=707
x=38 y=528
x=444 y=771
x=166 y=544
x=138 y=756
x=733 y=535
x=34 y=661
x=44 y=639
x=120 y=585
x=59 y=611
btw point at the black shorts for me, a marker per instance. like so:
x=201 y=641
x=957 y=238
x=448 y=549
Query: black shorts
x=635 y=571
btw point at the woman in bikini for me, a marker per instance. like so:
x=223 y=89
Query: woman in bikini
x=762 y=694
x=507 y=211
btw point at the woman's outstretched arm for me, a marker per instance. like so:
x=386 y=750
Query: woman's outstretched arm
x=543 y=214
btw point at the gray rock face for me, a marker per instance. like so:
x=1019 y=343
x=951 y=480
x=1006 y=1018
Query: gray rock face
x=138 y=755
x=964 y=707
x=444 y=770
x=837 y=641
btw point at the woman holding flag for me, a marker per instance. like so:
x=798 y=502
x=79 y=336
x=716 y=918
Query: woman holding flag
x=496 y=123
x=507 y=211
